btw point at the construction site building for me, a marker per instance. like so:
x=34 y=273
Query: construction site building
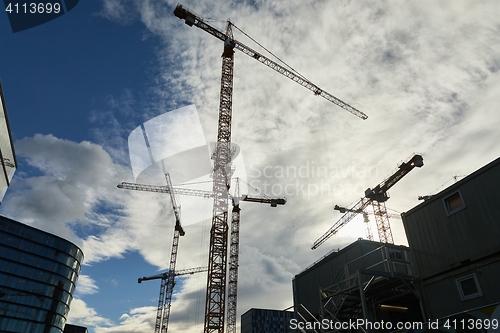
x=365 y=280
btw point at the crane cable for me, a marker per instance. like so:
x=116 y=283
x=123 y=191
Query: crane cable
x=262 y=46
x=275 y=56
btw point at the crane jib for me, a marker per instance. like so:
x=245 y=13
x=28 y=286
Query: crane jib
x=193 y=19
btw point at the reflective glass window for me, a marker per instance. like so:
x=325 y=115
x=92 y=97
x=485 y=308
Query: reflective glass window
x=33 y=271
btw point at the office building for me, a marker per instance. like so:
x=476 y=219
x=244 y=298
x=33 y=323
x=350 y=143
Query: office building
x=266 y=321
x=38 y=273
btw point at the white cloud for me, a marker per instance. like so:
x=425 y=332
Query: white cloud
x=140 y=319
x=71 y=180
x=83 y=315
x=118 y=11
x=137 y=320
x=86 y=285
x=73 y=194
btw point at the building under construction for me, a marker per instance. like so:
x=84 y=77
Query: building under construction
x=449 y=271
x=365 y=280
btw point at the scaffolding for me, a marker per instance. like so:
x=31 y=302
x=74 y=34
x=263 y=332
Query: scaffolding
x=383 y=277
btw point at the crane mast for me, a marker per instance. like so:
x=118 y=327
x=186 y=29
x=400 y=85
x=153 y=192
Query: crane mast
x=369 y=233
x=377 y=197
x=234 y=248
x=217 y=262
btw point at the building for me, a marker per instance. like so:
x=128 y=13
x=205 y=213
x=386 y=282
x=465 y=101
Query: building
x=266 y=321
x=8 y=162
x=448 y=274
x=38 y=272
x=365 y=280
x=453 y=236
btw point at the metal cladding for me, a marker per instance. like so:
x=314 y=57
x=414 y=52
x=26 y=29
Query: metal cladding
x=442 y=239
x=453 y=236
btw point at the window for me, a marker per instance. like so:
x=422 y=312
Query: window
x=396 y=254
x=468 y=287
x=454 y=202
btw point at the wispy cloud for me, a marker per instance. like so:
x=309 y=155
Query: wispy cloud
x=137 y=320
x=119 y=11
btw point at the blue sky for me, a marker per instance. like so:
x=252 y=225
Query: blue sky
x=72 y=63
x=426 y=74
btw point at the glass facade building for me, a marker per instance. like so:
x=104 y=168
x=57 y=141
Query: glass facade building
x=38 y=273
x=266 y=321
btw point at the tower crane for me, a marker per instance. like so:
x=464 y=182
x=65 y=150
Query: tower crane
x=166 y=289
x=369 y=234
x=377 y=198
x=273 y=201
x=235 y=223
x=217 y=264
x=168 y=283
